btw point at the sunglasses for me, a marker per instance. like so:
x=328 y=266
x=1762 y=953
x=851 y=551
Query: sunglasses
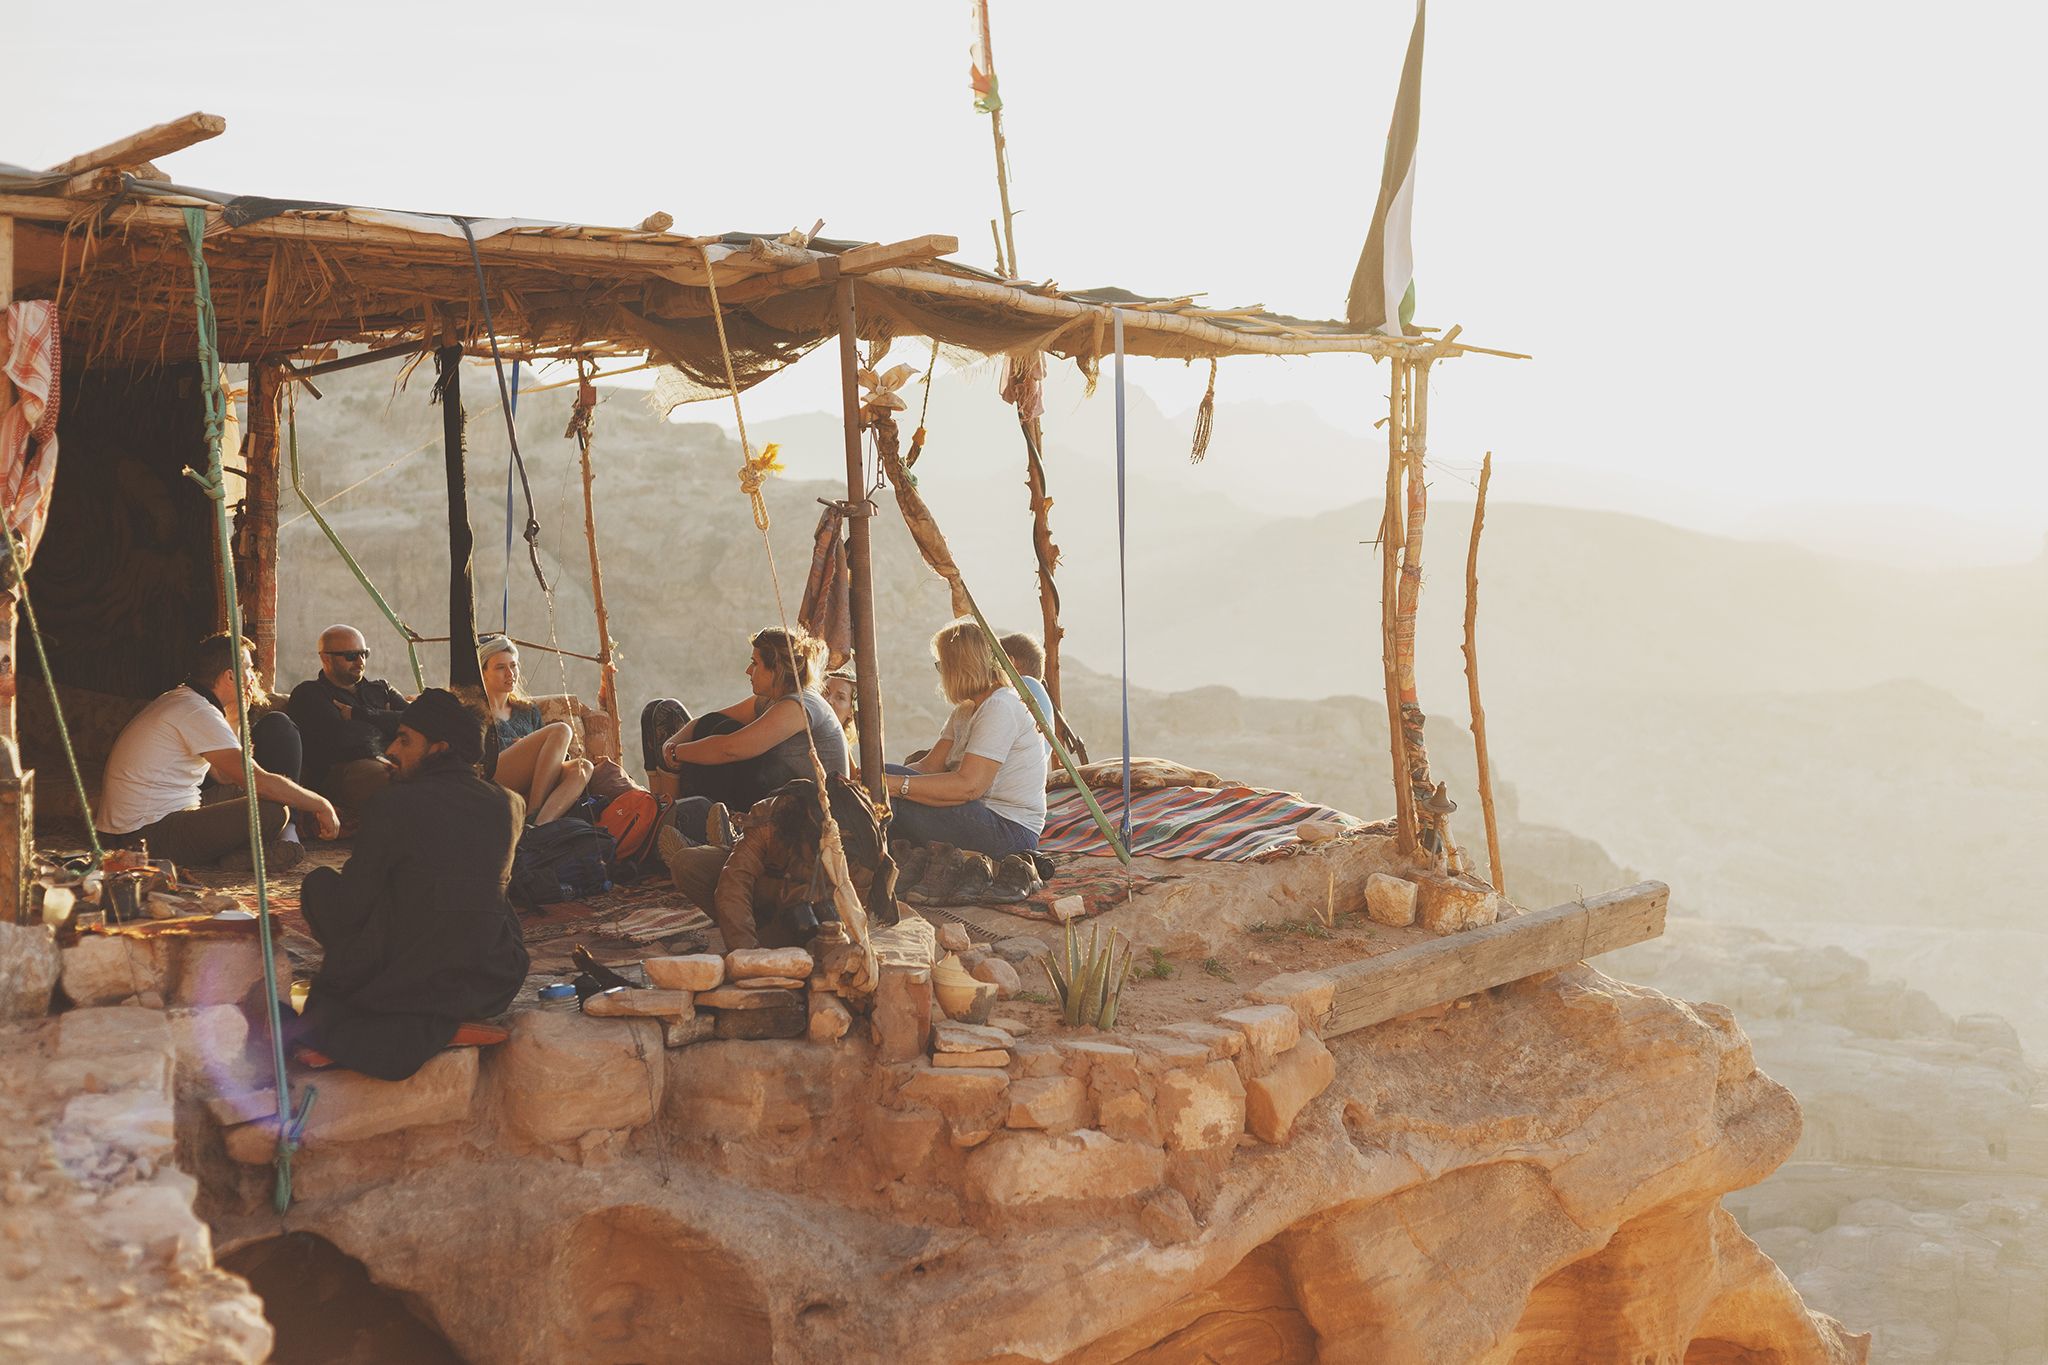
x=352 y=655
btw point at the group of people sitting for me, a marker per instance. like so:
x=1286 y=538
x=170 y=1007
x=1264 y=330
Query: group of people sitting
x=437 y=790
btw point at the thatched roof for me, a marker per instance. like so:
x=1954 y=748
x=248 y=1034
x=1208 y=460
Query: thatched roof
x=291 y=278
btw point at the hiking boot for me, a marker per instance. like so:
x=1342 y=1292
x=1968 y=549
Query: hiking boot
x=977 y=879
x=910 y=860
x=718 y=831
x=943 y=866
x=1043 y=866
x=1015 y=879
x=658 y=720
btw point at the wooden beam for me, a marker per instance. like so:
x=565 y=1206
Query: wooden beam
x=1446 y=969
x=257 y=585
x=147 y=145
x=860 y=260
x=100 y=184
x=867 y=661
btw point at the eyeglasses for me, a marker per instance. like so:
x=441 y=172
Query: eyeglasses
x=352 y=655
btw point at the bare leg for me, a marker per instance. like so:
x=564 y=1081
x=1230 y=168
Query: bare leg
x=570 y=780
x=533 y=766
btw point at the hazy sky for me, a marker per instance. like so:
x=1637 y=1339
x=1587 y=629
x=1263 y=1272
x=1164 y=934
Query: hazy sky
x=1777 y=251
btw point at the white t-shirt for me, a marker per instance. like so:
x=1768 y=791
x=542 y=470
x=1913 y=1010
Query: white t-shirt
x=1001 y=728
x=1037 y=690
x=156 y=767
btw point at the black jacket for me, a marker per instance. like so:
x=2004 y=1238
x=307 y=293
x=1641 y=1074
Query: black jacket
x=417 y=931
x=328 y=738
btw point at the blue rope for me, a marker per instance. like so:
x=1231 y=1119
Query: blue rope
x=1123 y=605
x=505 y=603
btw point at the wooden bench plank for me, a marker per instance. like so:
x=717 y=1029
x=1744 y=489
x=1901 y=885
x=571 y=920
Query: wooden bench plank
x=1435 y=973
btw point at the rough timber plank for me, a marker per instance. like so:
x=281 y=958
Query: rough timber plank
x=147 y=145
x=1408 y=979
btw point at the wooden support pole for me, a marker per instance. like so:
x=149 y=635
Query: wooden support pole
x=257 y=585
x=867 y=663
x=607 y=670
x=1046 y=553
x=1390 y=577
x=9 y=602
x=463 y=670
x=147 y=145
x=1415 y=414
x=1499 y=876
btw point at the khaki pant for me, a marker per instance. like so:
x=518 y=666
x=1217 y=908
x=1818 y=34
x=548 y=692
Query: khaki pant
x=695 y=873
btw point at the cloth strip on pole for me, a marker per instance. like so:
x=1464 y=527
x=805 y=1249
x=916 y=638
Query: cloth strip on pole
x=1123 y=604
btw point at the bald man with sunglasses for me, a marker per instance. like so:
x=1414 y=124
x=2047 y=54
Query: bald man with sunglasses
x=347 y=721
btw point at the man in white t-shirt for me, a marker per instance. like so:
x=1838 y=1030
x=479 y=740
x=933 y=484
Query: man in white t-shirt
x=1027 y=656
x=152 y=787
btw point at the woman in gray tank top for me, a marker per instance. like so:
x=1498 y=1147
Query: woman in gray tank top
x=742 y=753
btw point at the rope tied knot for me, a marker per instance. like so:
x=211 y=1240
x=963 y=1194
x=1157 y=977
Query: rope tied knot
x=754 y=473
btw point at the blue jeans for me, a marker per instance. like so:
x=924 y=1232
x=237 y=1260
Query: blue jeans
x=972 y=826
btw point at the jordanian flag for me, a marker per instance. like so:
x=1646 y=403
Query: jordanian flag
x=1383 y=287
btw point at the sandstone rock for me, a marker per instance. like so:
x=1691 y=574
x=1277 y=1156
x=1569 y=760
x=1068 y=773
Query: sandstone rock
x=212 y=1043
x=1167 y=1219
x=903 y=1012
x=830 y=1019
x=955 y=1092
x=1221 y=1042
x=788 y=1018
x=561 y=1075
x=1272 y=1100
x=1019 y=951
x=1000 y=974
x=1317 y=831
x=113 y=1028
x=1309 y=994
x=740 y=998
x=1390 y=900
x=1033 y=1058
x=209 y=970
x=1068 y=908
x=623 y=1002
x=1086 y=1057
x=1449 y=905
x=104 y=969
x=1021 y=1168
x=353 y=1106
x=780 y=983
x=134 y=1122
x=1125 y=1115
x=696 y=1027
x=29 y=967
x=158 y=1217
x=1016 y=1028
x=909 y=942
x=1201 y=1111
x=993 y=1057
x=953 y=937
x=743 y=963
x=901 y=1141
x=1160 y=1052
x=741 y=1091
x=950 y=1035
x=143 y=1070
x=1268 y=1030
x=1056 y=1104
x=693 y=972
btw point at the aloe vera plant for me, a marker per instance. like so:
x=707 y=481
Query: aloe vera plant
x=1089 y=983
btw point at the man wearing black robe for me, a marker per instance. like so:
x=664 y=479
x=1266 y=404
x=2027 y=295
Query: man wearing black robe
x=417 y=931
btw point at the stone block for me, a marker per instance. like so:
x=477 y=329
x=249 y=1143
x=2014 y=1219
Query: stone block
x=212 y=1044
x=738 y=998
x=29 y=968
x=956 y=1092
x=561 y=1075
x=157 y=1217
x=1033 y=1058
x=902 y=1016
x=1166 y=1218
x=1016 y=1028
x=1069 y=908
x=737 y=1091
x=1202 y=1111
x=137 y=1069
x=1272 y=1101
x=953 y=937
x=901 y=1141
x=1056 y=1104
x=1389 y=900
x=999 y=974
x=1125 y=1115
x=624 y=1002
x=742 y=963
x=1160 y=1052
x=135 y=1122
x=1086 y=1057
x=1268 y=1030
x=105 y=969
x=788 y=1019
x=1021 y=1168
x=1221 y=1042
x=353 y=1106
x=692 y=972
x=114 y=1028
x=785 y=983
x=830 y=1019
x=1449 y=905
x=216 y=970
x=909 y=942
x=993 y=1057
x=698 y=1027
x=1019 y=951
x=949 y=1035
x=1309 y=994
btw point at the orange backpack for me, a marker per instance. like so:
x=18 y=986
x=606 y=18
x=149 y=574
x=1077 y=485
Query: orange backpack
x=631 y=818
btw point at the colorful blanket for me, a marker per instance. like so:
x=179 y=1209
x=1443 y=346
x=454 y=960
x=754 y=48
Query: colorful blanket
x=1216 y=824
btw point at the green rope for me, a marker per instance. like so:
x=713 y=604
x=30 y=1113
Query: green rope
x=35 y=633
x=405 y=632
x=214 y=484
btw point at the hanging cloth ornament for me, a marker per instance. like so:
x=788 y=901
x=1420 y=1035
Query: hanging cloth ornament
x=1205 y=418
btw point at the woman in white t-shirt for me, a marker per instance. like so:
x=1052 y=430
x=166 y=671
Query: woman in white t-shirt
x=982 y=785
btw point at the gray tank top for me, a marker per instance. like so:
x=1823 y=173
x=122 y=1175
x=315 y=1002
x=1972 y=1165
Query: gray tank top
x=791 y=759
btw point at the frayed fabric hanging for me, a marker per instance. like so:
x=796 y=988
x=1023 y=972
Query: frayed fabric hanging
x=1205 y=418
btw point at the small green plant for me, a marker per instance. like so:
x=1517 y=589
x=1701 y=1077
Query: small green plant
x=1159 y=969
x=1034 y=997
x=1214 y=967
x=1089 y=983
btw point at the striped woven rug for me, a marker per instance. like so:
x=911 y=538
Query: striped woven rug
x=1216 y=824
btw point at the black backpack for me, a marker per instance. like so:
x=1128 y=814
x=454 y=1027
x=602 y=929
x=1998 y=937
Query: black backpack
x=563 y=860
